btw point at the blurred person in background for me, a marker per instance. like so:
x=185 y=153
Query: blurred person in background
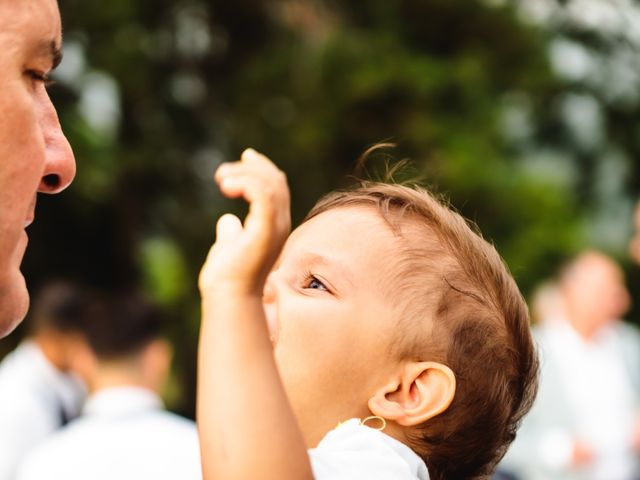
x=124 y=431
x=34 y=153
x=39 y=394
x=634 y=244
x=547 y=303
x=585 y=423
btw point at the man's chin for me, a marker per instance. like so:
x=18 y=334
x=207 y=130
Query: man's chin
x=14 y=302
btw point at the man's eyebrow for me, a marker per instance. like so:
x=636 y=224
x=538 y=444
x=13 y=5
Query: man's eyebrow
x=50 y=49
x=56 y=55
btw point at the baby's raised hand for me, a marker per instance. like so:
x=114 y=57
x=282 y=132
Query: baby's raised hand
x=243 y=255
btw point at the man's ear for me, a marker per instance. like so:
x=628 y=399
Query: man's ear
x=156 y=363
x=420 y=391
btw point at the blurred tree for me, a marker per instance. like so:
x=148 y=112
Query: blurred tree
x=154 y=94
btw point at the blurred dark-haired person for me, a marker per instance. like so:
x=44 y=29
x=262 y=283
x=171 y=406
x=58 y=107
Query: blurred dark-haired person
x=34 y=153
x=124 y=431
x=634 y=243
x=38 y=392
x=585 y=423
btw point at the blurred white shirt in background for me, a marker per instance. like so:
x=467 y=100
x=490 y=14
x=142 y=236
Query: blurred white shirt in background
x=35 y=400
x=123 y=433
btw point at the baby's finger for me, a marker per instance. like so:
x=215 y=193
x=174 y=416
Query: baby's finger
x=226 y=169
x=268 y=204
x=251 y=165
x=269 y=210
x=233 y=185
x=257 y=159
x=261 y=165
x=228 y=228
x=248 y=158
x=254 y=188
x=250 y=162
x=230 y=175
x=264 y=195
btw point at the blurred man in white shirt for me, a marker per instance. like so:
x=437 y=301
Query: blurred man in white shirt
x=585 y=423
x=124 y=431
x=38 y=392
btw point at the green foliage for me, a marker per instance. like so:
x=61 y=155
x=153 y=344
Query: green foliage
x=311 y=84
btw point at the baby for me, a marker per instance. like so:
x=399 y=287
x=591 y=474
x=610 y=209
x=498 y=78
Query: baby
x=383 y=334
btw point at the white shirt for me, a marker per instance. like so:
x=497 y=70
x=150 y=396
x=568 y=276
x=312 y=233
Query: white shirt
x=124 y=433
x=589 y=391
x=600 y=397
x=34 y=399
x=353 y=451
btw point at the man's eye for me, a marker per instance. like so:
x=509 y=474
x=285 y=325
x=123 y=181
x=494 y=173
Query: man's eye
x=39 y=77
x=314 y=283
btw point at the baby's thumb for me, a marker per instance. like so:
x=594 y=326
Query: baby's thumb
x=228 y=228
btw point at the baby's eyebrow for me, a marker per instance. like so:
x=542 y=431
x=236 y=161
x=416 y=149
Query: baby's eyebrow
x=342 y=273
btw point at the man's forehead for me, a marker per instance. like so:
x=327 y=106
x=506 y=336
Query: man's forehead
x=37 y=22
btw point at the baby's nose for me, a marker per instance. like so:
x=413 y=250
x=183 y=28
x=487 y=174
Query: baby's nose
x=268 y=294
x=270 y=310
x=271 y=314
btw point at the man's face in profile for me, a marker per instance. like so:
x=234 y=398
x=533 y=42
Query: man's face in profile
x=34 y=154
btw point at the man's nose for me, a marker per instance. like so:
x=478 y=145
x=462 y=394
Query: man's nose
x=60 y=164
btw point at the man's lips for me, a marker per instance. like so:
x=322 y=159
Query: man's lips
x=32 y=212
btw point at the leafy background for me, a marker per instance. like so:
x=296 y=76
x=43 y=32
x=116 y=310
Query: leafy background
x=524 y=114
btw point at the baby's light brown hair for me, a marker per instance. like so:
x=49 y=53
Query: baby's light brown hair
x=461 y=307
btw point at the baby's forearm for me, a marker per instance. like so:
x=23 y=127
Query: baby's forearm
x=246 y=424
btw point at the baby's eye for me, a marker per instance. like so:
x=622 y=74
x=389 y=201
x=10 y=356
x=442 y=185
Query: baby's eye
x=314 y=283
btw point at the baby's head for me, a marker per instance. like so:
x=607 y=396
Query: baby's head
x=385 y=302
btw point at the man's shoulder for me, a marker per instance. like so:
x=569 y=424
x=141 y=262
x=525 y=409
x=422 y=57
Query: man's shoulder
x=66 y=437
x=627 y=328
x=90 y=437
x=27 y=370
x=43 y=460
x=155 y=426
x=17 y=363
x=165 y=424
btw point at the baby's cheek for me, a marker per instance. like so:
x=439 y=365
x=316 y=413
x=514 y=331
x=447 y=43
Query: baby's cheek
x=302 y=350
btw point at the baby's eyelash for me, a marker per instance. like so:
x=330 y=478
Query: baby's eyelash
x=310 y=279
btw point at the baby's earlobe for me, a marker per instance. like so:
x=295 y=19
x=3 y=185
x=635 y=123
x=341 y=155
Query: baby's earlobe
x=425 y=390
x=383 y=403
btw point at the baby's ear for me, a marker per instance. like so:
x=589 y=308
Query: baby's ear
x=420 y=391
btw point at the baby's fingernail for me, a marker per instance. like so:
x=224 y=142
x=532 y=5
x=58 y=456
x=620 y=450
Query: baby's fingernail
x=249 y=152
x=229 y=182
x=222 y=169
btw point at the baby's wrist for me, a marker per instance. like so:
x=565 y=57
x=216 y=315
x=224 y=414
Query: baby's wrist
x=224 y=289
x=226 y=301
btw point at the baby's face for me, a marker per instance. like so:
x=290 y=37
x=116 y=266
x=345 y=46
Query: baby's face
x=330 y=322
